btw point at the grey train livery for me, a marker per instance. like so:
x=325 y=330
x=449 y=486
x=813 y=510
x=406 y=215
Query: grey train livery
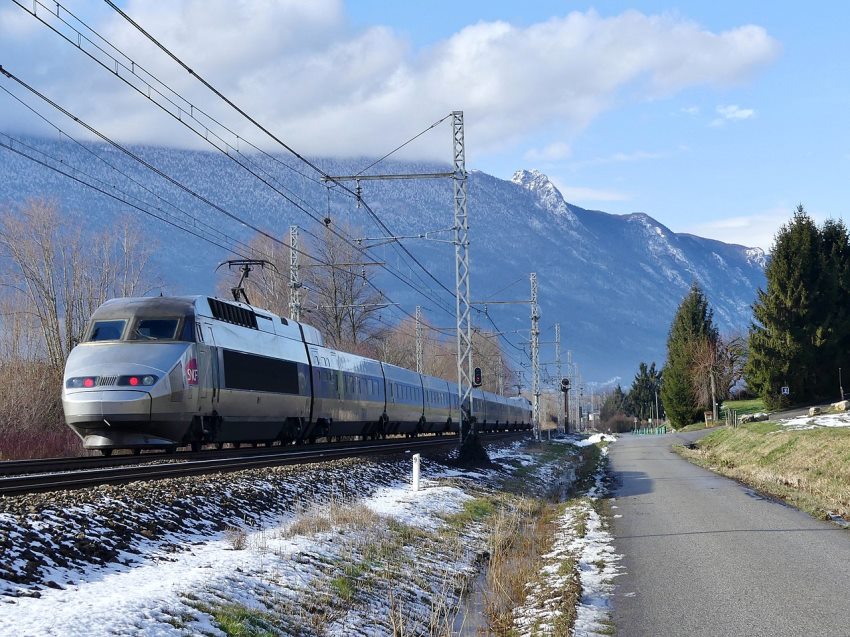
x=164 y=372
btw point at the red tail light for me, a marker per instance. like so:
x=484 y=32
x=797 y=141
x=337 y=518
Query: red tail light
x=133 y=380
x=88 y=382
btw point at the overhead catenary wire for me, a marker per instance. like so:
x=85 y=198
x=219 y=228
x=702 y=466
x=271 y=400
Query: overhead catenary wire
x=194 y=220
x=18 y=151
x=191 y=111
x=179 y=116
x=271 y=135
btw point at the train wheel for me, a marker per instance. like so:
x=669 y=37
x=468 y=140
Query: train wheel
x=236 y=445
x=196 y=445
x=106 y=452
x=171 y=449
x=137 y=451
x=219 y=445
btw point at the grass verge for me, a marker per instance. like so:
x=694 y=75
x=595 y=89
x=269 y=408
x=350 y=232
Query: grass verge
x=809 y=469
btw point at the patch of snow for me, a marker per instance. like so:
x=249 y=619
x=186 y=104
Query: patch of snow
x=586 y=442
x=813 y=422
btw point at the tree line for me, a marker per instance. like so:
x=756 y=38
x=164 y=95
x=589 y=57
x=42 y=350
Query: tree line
x=794 y=351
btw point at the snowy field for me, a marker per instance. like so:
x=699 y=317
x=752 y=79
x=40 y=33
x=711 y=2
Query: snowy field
x=337 y=549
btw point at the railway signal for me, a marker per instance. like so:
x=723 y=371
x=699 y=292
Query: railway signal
x=476 y=377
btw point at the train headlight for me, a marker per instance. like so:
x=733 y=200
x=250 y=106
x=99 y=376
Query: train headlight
x=81 y=381
x=135 y=381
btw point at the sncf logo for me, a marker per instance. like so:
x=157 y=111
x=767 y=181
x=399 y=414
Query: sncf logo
x=192 y=372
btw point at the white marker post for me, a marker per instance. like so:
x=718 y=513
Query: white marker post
x=416 y=472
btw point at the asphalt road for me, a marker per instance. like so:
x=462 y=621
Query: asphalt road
x=703 y=555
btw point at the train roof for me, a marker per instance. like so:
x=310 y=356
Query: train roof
x=184 y=306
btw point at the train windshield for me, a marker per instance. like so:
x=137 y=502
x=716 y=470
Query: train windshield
x=154 y=330
x=107 y=330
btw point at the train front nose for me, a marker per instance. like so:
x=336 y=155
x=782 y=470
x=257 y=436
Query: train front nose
x=105 y=419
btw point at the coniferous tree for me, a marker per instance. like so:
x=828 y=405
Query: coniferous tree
x=615 y=403
x=801 y=328
x=692 y=327
x=642 y=393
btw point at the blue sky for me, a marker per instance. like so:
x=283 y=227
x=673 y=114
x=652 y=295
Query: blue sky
x=714 y=118
x=672 y=157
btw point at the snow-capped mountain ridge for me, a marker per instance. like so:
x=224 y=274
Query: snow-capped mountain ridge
x=612 y=281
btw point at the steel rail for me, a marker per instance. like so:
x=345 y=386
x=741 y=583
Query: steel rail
x=274 y=456
x=52 y=465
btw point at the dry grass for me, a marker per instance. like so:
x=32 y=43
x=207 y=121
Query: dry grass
x=809 y=469
x=236 y=537
x=520 y=535
x=335 y=515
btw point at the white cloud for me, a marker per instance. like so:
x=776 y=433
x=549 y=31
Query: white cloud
x=328 y=88
x=691 y=110
x=552 y=152
x=756 y=230
x=733 y=113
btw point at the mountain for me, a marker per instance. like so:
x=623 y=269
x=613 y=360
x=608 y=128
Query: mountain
x=612 y=281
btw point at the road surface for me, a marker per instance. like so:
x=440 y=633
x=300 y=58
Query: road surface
x=703 y=555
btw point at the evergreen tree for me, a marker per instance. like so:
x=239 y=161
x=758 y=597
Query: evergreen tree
x=801 y=329
x=615 y=403
x=691 y=329
x=642 y=393
x=833 y=296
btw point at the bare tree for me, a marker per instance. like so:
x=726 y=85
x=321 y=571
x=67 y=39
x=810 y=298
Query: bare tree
x=53 y=274
x=61 y=275
x=717 y=365
x=346 y=304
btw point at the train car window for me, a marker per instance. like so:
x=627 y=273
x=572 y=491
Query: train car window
x=154 y=330
x=259 y=373
x=107 y=330
x=284 y=321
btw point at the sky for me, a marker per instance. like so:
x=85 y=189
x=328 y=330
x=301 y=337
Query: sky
x=714 y=118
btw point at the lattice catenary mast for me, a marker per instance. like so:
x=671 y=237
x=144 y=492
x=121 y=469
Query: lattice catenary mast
x=463 y=318
x=561 y=426
x=535 y=358
x=418 y=339
x=294 y=281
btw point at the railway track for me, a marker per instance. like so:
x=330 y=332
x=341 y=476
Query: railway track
x=19 y=477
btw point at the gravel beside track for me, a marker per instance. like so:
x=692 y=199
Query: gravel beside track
x=68 y=477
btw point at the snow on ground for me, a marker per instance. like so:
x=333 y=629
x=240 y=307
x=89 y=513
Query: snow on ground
x=813 y=422
x=597 y=565
x=73 y=567
x=586 y=442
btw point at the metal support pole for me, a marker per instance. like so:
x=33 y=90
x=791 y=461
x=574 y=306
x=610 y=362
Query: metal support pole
x=535 y=358
x=561 y=426
x=418 y=339
x=570 y=403
x=294 y=281
x=463 y=318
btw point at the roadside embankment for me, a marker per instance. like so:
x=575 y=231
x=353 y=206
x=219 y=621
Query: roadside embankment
x=807 y=468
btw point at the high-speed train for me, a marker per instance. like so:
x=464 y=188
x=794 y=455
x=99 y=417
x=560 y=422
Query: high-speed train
x=164 y=372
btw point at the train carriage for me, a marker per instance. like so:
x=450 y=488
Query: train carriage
x=349 y=393
x=405 y=403
x=440 y=405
